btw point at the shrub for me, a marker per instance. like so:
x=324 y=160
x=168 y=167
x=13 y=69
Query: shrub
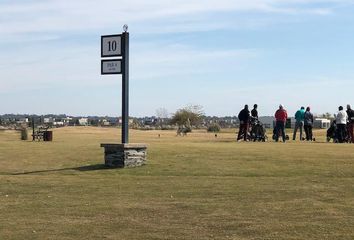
x=24 y=134
x=188 y=116
x=214 y=128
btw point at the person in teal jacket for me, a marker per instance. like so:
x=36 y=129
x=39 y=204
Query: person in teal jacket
x=299 y=123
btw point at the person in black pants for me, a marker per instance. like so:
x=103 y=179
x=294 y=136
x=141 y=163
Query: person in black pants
x=341 y=121
x=244 y=117
x=350 y=113
x=308 y=124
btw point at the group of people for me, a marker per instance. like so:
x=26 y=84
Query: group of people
x=304 y=119
x=345 y=124
x=246 y=117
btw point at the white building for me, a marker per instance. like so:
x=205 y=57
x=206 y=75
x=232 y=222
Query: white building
x=58 y=124
x=67 y=120
x=106 y=123
x=48 y=120
x=23 y=120
x=268 y=121
x=322 y=123
x=83 y=121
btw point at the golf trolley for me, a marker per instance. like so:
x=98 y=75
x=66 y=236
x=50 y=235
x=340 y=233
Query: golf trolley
x=256 y=131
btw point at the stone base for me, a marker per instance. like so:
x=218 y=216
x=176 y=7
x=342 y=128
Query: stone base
x=124 y=155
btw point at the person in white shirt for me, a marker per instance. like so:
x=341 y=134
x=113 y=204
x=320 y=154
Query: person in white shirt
x=341 y=121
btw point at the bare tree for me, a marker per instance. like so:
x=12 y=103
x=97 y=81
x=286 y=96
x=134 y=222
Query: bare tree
x=162 y=113
x=188 y=116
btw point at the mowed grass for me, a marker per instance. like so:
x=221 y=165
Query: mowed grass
x=194 y=187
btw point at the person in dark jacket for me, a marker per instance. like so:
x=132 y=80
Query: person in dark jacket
x=280 y=116
x=308 y=124
x=254 y=112
x=350 y=113
x=244 y=117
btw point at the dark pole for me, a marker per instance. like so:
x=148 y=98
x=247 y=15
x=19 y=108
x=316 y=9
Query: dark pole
x=33 y=138
x=125 y=87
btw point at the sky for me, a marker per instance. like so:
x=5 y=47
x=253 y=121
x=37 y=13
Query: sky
x=218 y=54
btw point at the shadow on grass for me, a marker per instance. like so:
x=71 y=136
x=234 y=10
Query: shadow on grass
x=94 y=167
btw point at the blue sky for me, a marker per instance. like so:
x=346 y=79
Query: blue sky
x=218 y=54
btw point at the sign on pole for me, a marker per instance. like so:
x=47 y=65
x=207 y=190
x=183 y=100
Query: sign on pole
x=113 y=66
x=118 y=46
x=111 y=45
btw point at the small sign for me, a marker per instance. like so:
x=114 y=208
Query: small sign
x=111 y=66
x=111 y=45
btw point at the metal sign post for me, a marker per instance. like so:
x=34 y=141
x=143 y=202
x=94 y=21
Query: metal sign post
x=118 y=46
x=125 y=87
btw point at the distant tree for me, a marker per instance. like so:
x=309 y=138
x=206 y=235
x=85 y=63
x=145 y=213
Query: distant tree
x=162 y=113
x=135 y=124
x=24 y=133
x=327 y=115
x=93 y=122
x=188 y=116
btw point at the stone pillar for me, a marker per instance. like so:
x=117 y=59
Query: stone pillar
x=124 y=155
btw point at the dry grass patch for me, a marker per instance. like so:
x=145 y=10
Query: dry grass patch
x=194 y=187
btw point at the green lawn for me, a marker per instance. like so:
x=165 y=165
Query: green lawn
x=194 y=187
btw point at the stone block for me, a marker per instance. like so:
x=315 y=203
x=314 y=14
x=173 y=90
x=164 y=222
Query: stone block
x=124 y=155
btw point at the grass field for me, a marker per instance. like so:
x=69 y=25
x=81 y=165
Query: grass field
x=194 y=187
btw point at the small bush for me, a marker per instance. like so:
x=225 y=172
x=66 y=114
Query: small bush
x=24 y=134
x=214 y=128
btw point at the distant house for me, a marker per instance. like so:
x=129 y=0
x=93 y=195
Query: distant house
x=48 y=120
x=22 y=121
x=322 y=123
x=290 y=122
x=58 y=124
x=106 y=123
x=120 y=121
x=149 y=121
x=66 y=121
x=268 y=121
x=83 y=121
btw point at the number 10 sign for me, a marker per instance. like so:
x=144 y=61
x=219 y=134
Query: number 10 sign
x=111 y=45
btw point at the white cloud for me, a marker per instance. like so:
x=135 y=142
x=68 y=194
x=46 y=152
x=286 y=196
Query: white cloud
x=40 y=43
x=151 y=61
x=79 y=66
x=82 y=15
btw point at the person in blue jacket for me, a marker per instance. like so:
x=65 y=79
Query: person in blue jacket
x=299 y=122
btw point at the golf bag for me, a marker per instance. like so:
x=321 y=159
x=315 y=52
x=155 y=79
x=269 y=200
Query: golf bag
x=333 y=132
x=258 y=132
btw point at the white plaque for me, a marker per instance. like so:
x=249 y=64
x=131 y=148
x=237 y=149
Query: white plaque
x=111 y=66
x=111 y=45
